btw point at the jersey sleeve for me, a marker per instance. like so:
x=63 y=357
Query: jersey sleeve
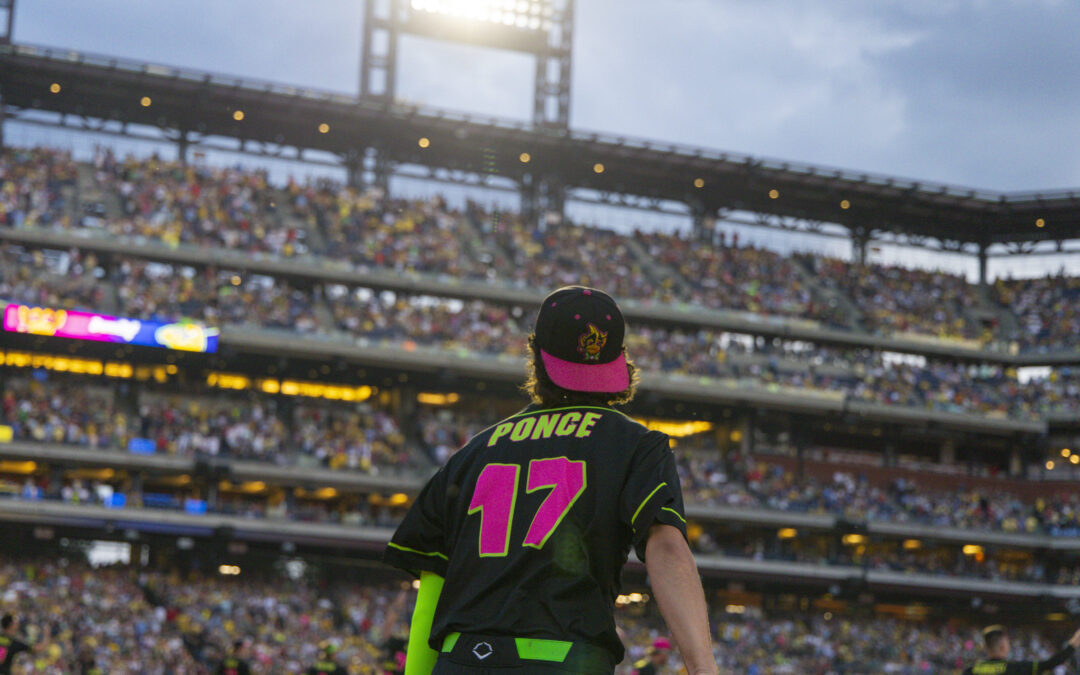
x=652 y=493
x=1053 y=662
x=419 y=544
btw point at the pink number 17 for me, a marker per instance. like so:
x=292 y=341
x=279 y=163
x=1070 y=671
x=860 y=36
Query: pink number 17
x=496 y=495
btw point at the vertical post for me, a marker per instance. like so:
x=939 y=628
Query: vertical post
x=183 y=142
x=379 y=60
x=7 y=21
x=379 y=167
x=859 y=240
x=3 y=117
x=354 y=168
x=551 y=92
x=947 y=452
x=704 y=226
x=530 y=199
x=982 y=264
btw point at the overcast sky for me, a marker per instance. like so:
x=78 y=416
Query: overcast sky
x=975 y=92
x=982 y=93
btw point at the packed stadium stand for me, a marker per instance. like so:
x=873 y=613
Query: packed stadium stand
x=877 y=460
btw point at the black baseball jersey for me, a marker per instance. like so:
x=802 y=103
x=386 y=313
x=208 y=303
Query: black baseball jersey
x=533 y=520
x=231 y=665
x=999 y=667
x=9 y=649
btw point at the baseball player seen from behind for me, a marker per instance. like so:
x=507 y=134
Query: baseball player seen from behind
x=998 y=648
x=519 y=540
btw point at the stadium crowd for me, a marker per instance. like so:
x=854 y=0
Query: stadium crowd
x=87 y=618
x=749 y=482
x=362 y=437
x=127 y=620
x=32 y=187
x=193 y=204
x=237 y=208
x=372 y=438
x=168 y=292
x=889 y=556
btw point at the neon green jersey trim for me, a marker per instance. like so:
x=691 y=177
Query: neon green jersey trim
x=449 y=641
x=543 y=650
x=645 y=501
x=677 y=514
x=534 y=649
x=406 y=549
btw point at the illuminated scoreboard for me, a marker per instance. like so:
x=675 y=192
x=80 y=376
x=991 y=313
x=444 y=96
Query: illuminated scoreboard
x=184 y=335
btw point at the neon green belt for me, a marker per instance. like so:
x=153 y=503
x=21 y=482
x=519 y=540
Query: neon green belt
x=533 y=649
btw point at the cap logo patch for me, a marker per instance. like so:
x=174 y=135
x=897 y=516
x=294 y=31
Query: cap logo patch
x=591 y=342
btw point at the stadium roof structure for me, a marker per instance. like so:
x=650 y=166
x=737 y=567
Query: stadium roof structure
x=113 y=95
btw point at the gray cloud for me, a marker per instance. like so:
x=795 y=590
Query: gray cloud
x=976 y=92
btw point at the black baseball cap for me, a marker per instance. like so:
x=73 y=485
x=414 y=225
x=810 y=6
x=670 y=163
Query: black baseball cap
x=579 y=332
x=992 y=633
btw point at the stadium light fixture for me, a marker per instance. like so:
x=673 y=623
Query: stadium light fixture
x=1039 y=222
x=523 y=14
x=845 y=204
x=228 y=570
x=424 y=142
x=238 y=115
x=1075 y=459
x=525 y=158
x=145 y=101
x=699 y=183
x=55 y=87
x=972 y=549
x=598 y=168
x=1049 y=465
x=1065 y=452
x=434 y=398
x=774 y=194
x=324 y=128
x=853 y=539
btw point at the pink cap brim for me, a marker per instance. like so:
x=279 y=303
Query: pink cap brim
x=606 y=378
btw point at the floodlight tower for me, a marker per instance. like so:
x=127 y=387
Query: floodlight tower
x=7 y=20
x=7 y=23
x=541 y=28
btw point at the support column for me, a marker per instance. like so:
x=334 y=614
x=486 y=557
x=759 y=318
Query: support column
x=378 y=62
x=183 y=142
x=7 y=21
x=551 y=93
x=982 y=264
x=889 y=460
x=1016 y=463
x=859 y=241
x=381 y=168
x=947 y=453
x=354 y=169
x=135 y=498
x=704 y=226
x=528 y=189
x=540 y=196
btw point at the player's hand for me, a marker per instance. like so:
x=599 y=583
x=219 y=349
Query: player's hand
x=1074 y=641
